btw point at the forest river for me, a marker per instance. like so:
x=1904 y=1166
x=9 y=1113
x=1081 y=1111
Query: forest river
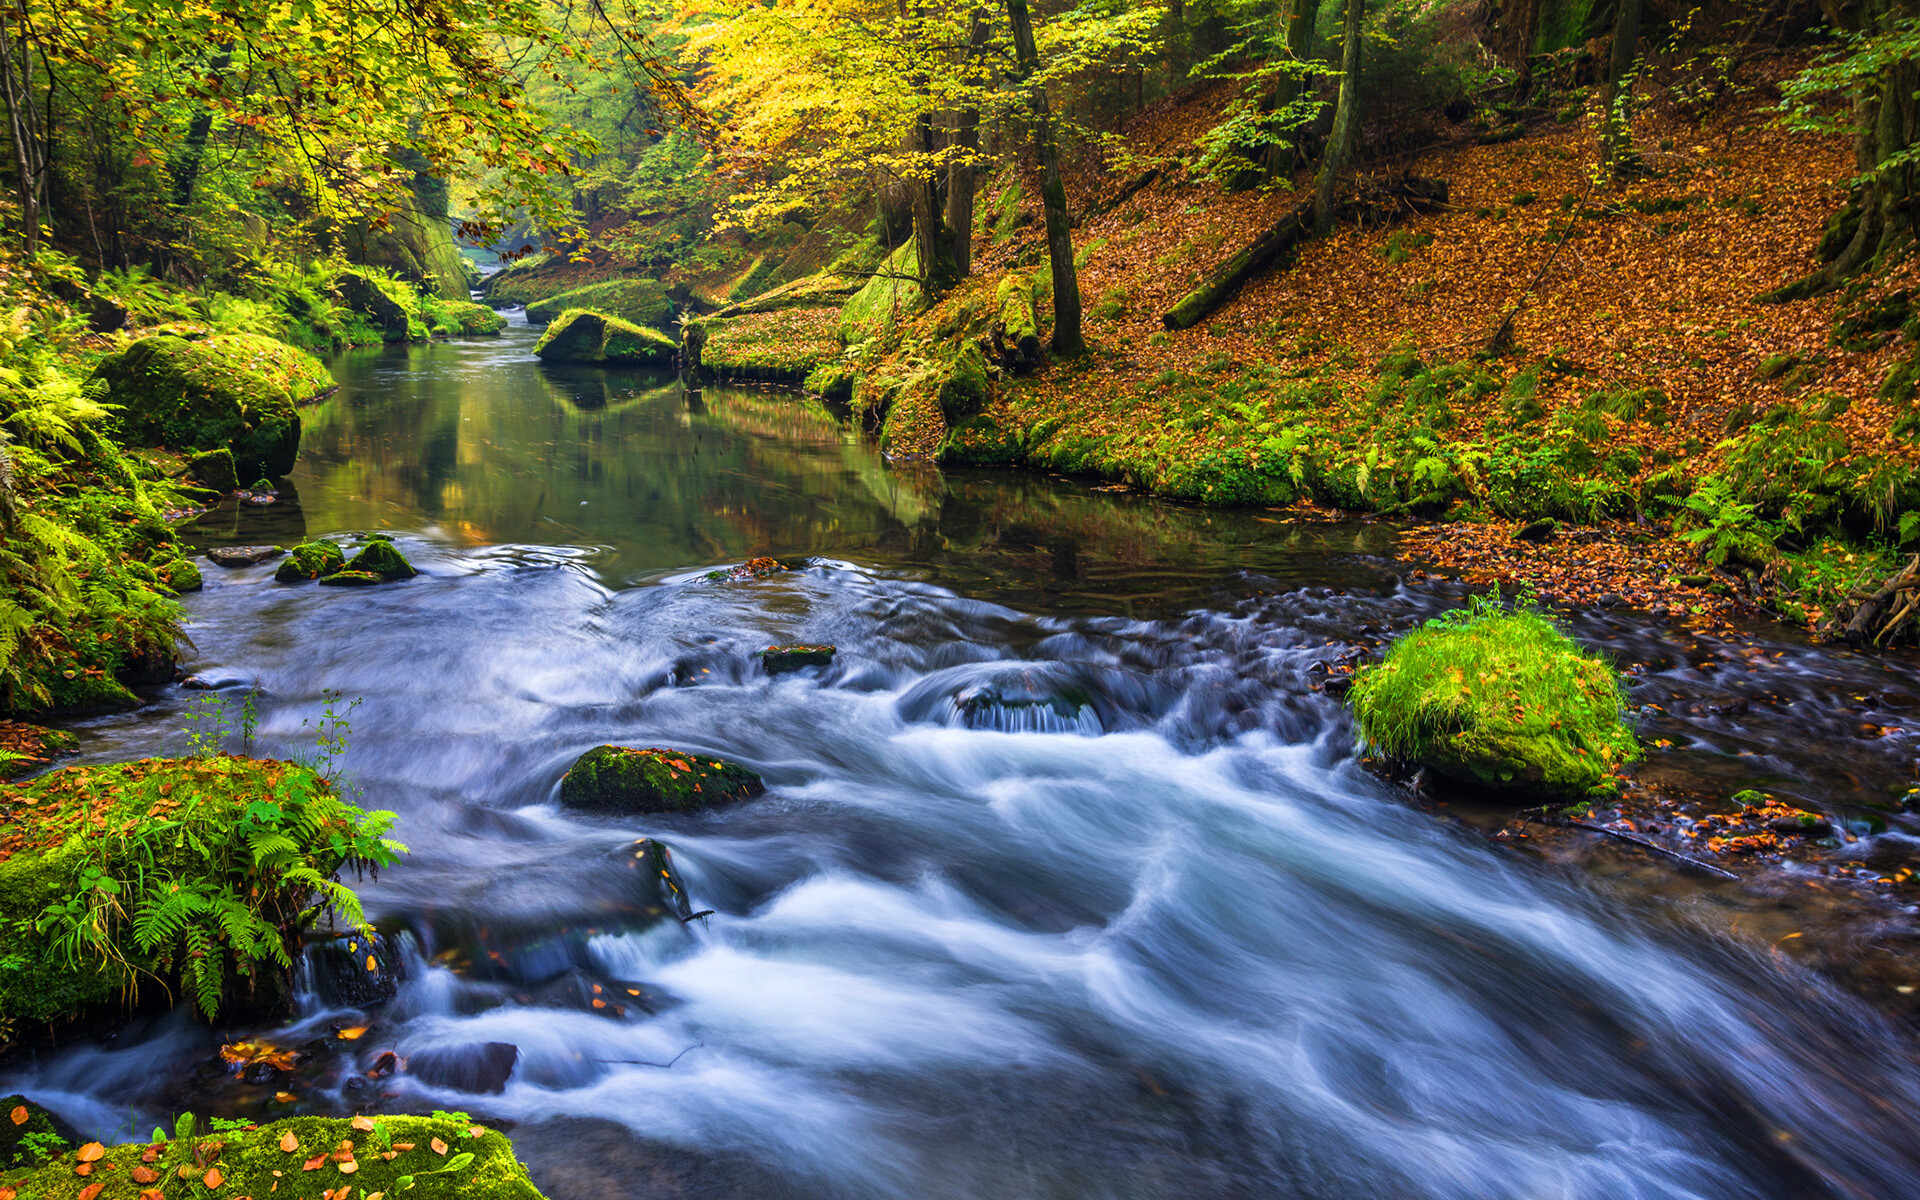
x=1066 y=884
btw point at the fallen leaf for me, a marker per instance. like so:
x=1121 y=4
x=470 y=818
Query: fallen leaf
x=288 y=1142
x=476 y=1131
x=284 y=1097
x=83 y=1169
x=353 y=1033
x=349 y=1167
x=19 y=1114
x=151 y=1154
x=403 y=1145
x=439 y=1147
x=92 y=1152
x=7 y=1193
x=363 y=1123
x=91 y=1190
x=213 y=1178
x=145 y=1174
x=314 y=1163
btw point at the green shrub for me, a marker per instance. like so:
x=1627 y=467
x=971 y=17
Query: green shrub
x=1500 y=699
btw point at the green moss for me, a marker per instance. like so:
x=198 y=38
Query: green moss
x=386 y=304
x=1499 y=699
x=28 y=1144
x=462 y=318
x=215 y=469
x=179 y=575
x=352 y=579
x=310 y=560
x=584 y=336
x=832 y=379
x=653 y=780
x=892 y=295
x=781 y=345
x=636 y=301
x=251 y=1162
x=233 y=391
x=384 y=559
x=220 y=887
x=980 y=441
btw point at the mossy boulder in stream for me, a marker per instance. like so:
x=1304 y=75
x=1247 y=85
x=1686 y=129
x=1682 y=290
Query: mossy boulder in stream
x=234 y=391
x=637 y=301
x=780 y=659
x=1501 y=700
x=422 y=1158
x=169 y=880
x=310 y=560
x=581 y=335
x=626 y=779
x=214 y=469
x=462 y=318
x=30 y=1136
x=381 y=557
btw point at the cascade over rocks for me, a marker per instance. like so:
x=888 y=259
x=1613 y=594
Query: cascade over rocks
x=626 y=779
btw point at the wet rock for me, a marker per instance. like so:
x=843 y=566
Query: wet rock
x=233 y=391
x=781 y=659
x=381 y=557
x=242 y=556
x=753 y=568
x=582 y=335
x=352 y=579
x=470 y=1067
x=628 y=779
x=353 y=971
x=310 y=560
x=180 y=575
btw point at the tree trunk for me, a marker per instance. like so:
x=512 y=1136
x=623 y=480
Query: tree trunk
x=1298 y=16
x=1616 y=123
x=962 y=170
x=1526 y=31
x=1067 y=340
x=1346 y=119
x=934 y=247
x=16 y=82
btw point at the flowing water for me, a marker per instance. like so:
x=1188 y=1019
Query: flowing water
x=1066 y=883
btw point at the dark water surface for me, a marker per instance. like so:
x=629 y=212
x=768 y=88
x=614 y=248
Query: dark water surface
x=1065 y=885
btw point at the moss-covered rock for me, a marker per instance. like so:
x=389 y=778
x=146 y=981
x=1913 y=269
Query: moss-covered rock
x=234 y=391
x=779 y=660
x=980 y=441
x=310 y=560
x=422 y=1158
x=1498 y=699
x=215 y=469
x=30 y=1136
x=381 y=557
x=893 y=295
x=179 y=575
x=636 y=301
x=626 y=779
x=224 y=887
x=778 y=346
x=387 y=304
x=462 y=318
x=352 y=579
x=584 y=336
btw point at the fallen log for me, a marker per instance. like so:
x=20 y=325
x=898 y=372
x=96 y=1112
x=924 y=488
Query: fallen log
x=1874 y=617
x=1370 y=205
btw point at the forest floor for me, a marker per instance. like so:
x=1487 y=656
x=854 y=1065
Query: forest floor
x=1653 y=283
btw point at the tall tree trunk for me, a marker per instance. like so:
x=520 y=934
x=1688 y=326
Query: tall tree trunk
x=16 y=82
x=193 y=152
x=1525 y=32
x=1616 y=124
x=962 y=170
x=1297 y=17
x=931 y=243
x=1346 y=119
x=1067 y=339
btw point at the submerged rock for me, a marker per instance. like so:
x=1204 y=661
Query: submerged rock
x=581 y=335
x=626 y=779
x=242 y=556
x=482 y=1067
x=310 y=560
x=780 y=659
x=381 y=557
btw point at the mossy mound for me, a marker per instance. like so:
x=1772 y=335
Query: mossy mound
x=381 y=557
x=30 y=1136
x=583 y=336
x=352 y=579
x=196 y=874
x=235 y=391
x=215 y=469
x=386 y=304
x=1501 y=700
x=891 y=297
x=636 y=301
x=780 y=659
x=980 y=441
x=179 y=575
x=418 y=1157
x=626 y=779
x=462 y=318
x=777 y=346
x=310 y=560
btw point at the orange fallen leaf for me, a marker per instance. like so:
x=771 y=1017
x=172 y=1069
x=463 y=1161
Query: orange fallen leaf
x=7 y=1193
x=91 y=1190
x=213 y=1178
x=353 y=1033
x=288 y=1142
x=363 y=1123
x=145 y=1174
x=314 y=1163
x=284 y=1097
x=83 y=1169
x=349 y=1167
x=439 y=1147
x=403 y=1145
x=19 y=1114
x=476 y=1130
x=92 y=1152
